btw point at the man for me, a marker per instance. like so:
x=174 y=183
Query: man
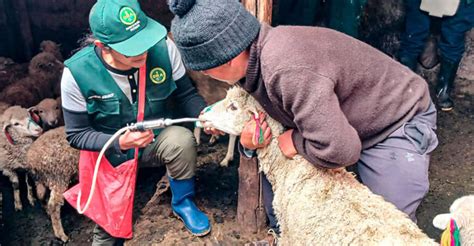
x=100 y=95
x=341 y=101
x=451 y=44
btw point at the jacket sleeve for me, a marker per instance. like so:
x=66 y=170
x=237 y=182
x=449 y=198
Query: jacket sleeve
x=189 y=101
x=323 y=135
x=81 y=135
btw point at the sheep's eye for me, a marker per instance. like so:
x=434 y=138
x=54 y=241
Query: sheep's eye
x=41 y=111
x=232 y=107
x=57 y=108
x=16 y=124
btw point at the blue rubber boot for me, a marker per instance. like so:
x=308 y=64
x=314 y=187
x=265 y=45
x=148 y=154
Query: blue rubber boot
x=184 y=208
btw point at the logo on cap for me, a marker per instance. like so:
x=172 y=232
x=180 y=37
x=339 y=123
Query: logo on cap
x=158 y=75
x=127 y=16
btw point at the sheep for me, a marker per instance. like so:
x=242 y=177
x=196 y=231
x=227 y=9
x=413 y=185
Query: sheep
x=26 y=92
x=49 y=112
x=44 y=72
x=315 y=205
x=53 y=48
x=53 y=164
x=50 y=116
x=45 y=67
x=11 y=72
x=462 y=212
x=212 y=91
x=18 y=133
x=5 y=62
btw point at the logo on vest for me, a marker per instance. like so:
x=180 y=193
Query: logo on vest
x=101 y=97
x=158 y=75
x=127 y=16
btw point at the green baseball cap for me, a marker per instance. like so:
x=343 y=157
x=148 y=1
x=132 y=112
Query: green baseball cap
x=122 y=25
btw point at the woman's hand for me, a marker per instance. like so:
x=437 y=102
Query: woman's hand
x=135 y=139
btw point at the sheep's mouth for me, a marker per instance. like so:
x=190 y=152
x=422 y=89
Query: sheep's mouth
x=227 y=130
x=224 y=128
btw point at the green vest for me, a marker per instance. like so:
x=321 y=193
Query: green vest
x=108 y=107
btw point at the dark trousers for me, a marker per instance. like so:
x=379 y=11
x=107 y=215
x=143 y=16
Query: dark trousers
x=453 y=29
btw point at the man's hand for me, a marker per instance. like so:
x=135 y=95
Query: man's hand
x=249 y=137
x=285 y=142
x=135 y=139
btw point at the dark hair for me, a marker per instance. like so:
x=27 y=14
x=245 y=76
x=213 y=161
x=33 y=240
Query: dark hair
x=86 y=40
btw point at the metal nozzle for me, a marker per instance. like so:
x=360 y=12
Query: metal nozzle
x=158 y=123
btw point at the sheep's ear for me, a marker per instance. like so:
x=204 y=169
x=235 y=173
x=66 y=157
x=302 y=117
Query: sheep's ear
x=34 y=114
x=7 y=133
x=441 y=221
x=252 y=111
x=457 y=203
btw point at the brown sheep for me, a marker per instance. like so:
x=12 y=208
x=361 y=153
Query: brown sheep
x=26 y=92
x=45 y=67
x=53 y=164
x=5 y=62
x=11 y=72
x=49 y=112
x=53 y=48
x=44 y=75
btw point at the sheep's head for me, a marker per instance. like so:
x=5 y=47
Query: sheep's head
x=5 y=62
x=461 y=211
x=45 y=63
x=49 y=111
x=18 y=122
x=49 y=46
x=231 y=114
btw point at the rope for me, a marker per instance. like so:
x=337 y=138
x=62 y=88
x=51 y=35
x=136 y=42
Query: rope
x=450 y=236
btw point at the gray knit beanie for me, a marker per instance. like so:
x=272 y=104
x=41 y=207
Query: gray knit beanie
x=209 y=33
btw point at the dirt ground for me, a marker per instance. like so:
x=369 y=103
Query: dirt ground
x=451 y=176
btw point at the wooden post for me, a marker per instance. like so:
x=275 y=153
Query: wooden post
x=251 y=6
x=264 y=11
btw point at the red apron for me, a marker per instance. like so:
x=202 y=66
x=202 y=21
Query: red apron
x=111 y=204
